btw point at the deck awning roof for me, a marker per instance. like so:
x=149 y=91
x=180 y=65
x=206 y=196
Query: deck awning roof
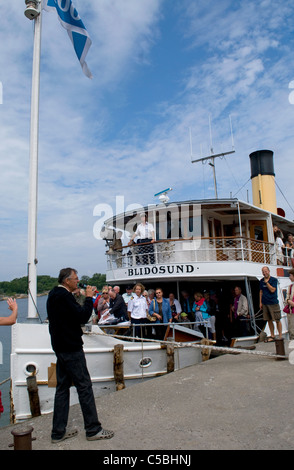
x=222 y=207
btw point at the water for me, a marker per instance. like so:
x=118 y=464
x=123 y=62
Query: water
x=5 y=348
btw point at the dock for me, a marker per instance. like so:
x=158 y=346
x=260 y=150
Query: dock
x=230 y=402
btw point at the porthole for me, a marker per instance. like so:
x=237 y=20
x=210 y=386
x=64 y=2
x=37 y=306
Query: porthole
x=145 y=362
x=31 y=368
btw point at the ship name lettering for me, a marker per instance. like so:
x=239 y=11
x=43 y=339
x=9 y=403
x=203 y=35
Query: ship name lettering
x=164 y=269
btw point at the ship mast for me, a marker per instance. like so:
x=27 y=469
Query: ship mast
x=213 y=155
x=33 y=12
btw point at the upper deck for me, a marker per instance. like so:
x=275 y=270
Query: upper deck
x=197 y=239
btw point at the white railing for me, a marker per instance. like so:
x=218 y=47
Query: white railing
x=288 y=257
x=196 y=250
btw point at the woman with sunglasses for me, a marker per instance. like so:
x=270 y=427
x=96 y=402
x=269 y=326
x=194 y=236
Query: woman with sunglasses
x=103 y=303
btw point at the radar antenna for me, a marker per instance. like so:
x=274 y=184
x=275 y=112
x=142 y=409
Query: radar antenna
x=162 y=195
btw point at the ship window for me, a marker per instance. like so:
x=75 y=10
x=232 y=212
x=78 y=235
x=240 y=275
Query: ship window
x=258 y=232
x=145 y=362
x=30 y=368
x=168 y=223
x=191 y=222
x=179 y=221
x=217 y=228
x=210 y=228
x=228 y=230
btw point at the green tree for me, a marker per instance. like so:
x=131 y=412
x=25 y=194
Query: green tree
x=44 y=284
x=98 y=280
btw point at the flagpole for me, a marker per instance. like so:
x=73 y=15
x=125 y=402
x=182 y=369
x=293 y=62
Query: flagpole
x=33 y=174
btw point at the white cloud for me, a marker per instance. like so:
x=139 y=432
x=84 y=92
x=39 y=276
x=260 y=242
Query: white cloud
x=97 y=141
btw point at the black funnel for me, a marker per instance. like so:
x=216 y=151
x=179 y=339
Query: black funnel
x=262 y=163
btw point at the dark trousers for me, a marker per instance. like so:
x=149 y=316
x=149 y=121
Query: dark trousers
x=71 y=368
x=145 y=252
x=159 y=332
x=139 y=330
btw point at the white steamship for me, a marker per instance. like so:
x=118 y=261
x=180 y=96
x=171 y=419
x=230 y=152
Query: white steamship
x=210 y=245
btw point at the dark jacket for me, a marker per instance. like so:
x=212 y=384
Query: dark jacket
x=118 y=308
x=65 y=317
x=187 y=305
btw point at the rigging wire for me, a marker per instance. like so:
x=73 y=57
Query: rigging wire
x=31 y=296
x=242 y=187
x=236 y=182
x=35 y=305
x=284 y=196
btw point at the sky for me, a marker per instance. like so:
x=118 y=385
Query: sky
x=162 y=70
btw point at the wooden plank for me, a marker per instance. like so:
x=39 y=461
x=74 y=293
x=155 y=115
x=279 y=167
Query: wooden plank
x=118 y=366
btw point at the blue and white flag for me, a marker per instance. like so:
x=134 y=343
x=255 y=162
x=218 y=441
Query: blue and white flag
x=70 y=20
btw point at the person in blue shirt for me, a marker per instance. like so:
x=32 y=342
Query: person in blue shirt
x=268 y=299
x=200 y=309
x=160 y=308
x=187 y=305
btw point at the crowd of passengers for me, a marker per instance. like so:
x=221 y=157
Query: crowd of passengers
x=284 y=247
x=149 y=311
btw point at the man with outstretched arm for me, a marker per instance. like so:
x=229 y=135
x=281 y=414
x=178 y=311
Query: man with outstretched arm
x=65 y=317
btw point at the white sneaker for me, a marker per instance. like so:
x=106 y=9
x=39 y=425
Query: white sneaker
x=103 y=434
x=67 y=435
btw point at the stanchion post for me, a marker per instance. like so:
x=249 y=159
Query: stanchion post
x=22 y=439
x=280 y=348
x=118 y=366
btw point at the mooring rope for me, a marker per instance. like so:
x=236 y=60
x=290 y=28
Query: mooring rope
x=234 y=350
x=6 y=380
x=197 y=345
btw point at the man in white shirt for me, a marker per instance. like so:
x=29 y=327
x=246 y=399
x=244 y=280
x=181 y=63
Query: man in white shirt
x=128 y=294
x=145 y=233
